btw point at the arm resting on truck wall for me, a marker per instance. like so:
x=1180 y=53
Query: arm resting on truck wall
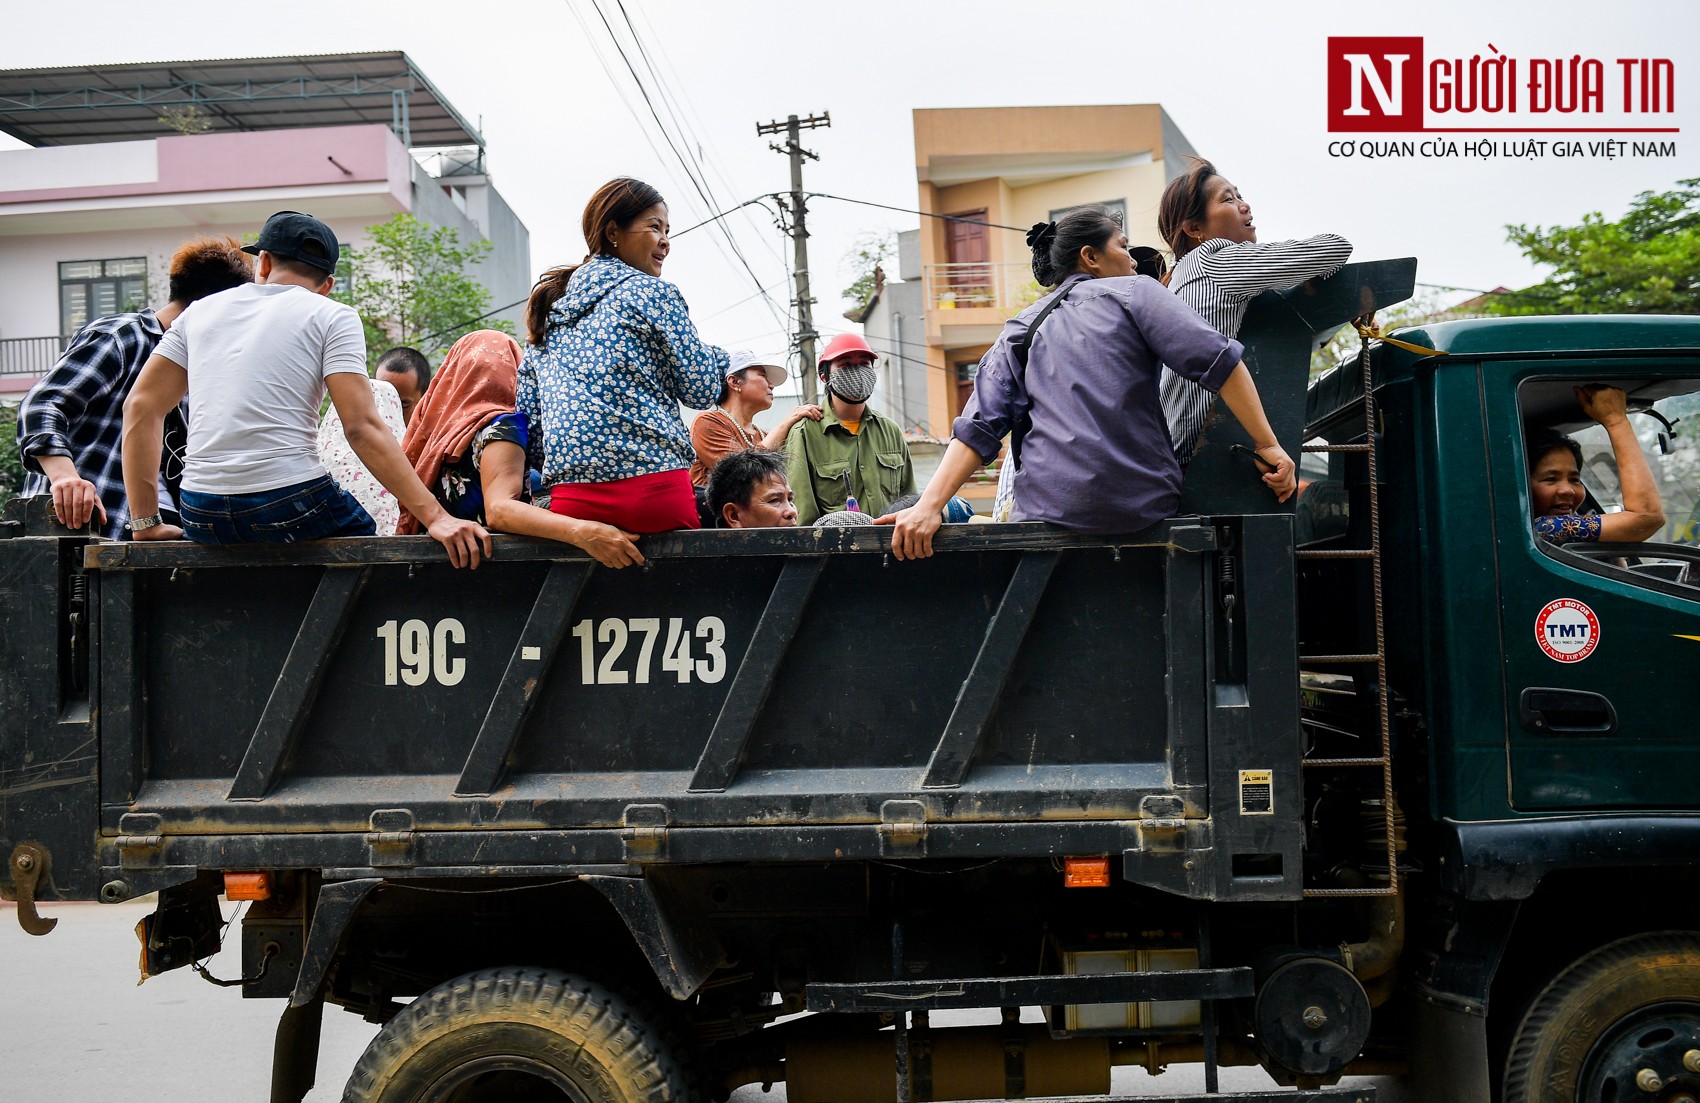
x=158 y=390
x=1240 y=393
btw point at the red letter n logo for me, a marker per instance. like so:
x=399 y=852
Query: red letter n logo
x=1375 y=84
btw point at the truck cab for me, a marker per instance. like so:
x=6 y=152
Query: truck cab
x=1536 y=690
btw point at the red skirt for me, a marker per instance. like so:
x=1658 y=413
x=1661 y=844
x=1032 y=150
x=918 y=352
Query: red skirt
x=641 y=504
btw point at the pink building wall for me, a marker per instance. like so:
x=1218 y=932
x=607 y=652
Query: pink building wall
x=232 y=162
x=144 y=199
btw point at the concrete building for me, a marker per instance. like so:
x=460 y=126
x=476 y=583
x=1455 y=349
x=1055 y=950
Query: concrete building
x=996 y=171
x=90 y=217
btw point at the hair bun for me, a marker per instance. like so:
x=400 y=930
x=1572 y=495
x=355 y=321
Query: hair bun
x=1041 y=234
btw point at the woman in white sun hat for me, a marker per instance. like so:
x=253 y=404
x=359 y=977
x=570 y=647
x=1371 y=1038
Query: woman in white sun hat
x=731 y=425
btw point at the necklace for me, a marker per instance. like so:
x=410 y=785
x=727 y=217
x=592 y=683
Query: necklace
x=750 y=438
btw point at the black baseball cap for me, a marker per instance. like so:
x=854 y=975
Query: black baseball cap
x=299 y=237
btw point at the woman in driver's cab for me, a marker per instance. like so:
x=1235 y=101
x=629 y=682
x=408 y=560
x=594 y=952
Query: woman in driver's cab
x=1555 y=478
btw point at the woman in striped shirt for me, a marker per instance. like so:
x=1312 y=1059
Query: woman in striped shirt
x=1219 y=268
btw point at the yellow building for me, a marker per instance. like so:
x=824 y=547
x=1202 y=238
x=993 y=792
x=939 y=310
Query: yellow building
x=1012 y=167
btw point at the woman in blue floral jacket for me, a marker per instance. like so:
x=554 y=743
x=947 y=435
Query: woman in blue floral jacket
x=612 y=356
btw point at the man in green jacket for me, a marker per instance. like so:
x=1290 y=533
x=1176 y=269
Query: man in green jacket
x=851 y=451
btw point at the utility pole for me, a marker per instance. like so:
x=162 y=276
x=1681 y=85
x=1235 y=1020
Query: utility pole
x=793 y=128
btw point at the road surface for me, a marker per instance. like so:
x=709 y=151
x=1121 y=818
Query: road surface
x=74 y=1025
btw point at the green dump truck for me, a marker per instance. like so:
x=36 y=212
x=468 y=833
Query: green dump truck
x=1375 y=781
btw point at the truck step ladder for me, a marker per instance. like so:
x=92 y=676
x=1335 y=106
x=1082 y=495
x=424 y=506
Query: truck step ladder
x=1384 y=761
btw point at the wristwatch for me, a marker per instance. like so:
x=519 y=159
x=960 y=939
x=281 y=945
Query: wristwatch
x=137 y=524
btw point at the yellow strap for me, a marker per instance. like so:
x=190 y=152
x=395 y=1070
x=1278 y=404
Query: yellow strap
x=1373 y=329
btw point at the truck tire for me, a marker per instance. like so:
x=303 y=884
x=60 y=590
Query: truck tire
x=1624 y=1010
x=518 y=1034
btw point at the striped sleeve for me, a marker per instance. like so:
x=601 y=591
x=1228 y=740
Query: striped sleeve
x=1244 y=269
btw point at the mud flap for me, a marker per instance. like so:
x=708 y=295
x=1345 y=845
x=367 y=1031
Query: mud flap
x=1449 y=1054
x=682 y=959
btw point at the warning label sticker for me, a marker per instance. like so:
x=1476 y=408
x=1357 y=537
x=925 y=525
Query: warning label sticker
x=1567 y=630
x=1257 y=793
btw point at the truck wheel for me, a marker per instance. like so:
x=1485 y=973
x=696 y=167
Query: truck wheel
x=1619 y=1024
x=517 y=1034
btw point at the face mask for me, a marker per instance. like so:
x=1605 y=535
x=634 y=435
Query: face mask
x=852 y=384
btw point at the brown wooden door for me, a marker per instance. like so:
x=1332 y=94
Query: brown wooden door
x=968 y=251
x=964 y=371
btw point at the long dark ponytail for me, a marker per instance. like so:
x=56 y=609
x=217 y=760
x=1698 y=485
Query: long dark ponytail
x=550 y=286
x=1056 y=245
x=615 y=203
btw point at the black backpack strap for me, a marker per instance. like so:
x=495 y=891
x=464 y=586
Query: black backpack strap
x=1019 y=351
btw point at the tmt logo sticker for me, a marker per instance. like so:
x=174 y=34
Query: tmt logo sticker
x=1375 y=84
x=1567 y=630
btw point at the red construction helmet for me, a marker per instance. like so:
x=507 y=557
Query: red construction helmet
x=843 y=343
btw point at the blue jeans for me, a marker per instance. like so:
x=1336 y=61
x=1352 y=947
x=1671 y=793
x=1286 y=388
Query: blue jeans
x=311 y=510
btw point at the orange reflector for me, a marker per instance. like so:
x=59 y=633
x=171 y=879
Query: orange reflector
x=1083 y=873
x=248 y=886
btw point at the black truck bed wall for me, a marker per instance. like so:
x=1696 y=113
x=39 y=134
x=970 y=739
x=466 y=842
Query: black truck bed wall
x=358 y=707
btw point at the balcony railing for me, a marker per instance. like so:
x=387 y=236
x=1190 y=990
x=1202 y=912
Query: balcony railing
x=1003 y=287
x=29 y=355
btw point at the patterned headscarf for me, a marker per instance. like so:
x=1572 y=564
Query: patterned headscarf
x=477 y=382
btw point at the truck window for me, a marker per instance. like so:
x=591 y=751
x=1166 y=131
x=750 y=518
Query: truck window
x=1666 y=416
x=1674 y=456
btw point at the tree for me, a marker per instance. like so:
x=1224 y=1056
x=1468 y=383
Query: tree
x=872 y=248
x=1647 y=262
x=412 y=287
x=11 y=464
x=186 y=120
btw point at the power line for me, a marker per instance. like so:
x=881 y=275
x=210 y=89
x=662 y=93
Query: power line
x=608 y=71
x=924 y=214
x=469 y=321
x=700 y=186
x=716 y=217
x=693 y=143
x=744 y=300
x=999 y=226
x=614 y=83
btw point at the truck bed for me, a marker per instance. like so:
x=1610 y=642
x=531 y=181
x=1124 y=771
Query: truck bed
x=356 y=705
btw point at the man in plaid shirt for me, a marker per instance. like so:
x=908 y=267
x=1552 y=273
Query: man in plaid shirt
x=70 y=423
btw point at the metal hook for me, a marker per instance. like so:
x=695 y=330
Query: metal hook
x=29 y=867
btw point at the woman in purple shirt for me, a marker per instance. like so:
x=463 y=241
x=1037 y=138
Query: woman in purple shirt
x=1096 y=456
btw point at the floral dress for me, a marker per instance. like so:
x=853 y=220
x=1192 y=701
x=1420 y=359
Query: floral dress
x=347 y=470
x=460 y=486
x=1569 y=528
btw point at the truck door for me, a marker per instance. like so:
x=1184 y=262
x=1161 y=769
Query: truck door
x=1602 y=649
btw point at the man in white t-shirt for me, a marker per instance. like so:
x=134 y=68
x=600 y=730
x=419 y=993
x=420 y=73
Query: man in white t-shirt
x=256 y=362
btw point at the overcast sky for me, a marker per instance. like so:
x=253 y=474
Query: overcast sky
x=1244 y=81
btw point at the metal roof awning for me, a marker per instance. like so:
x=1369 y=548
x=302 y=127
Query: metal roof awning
x=83 y=104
